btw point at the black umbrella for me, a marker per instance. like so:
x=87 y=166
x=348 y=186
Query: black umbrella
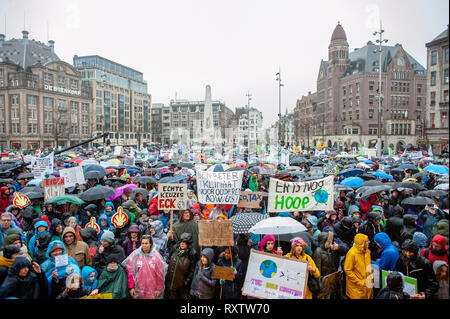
x=136 y=190
x=26 y=175
x=35 y=193
x=146 y=180
x=367 y=176
x=412 y=185
x=93 y=174
x=433 y=193
x=418 y=201
x=372 y=183
x=340 y=187
x=97 y=192
x=6 y=180
x=408 y=167
x=420 y=174
x=374 y=189
x=242 y=222
x=117 y=179
x=187 y=165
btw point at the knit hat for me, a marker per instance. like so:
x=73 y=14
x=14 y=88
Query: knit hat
x=108 y=236
x=55 y=248
x=10 y=250
x=298 y=240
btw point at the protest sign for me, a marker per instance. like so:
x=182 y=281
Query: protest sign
x=129 y=160
x=329 y=169
x=53 y=187
x=118 y=150
x=316 y=171
x=302 y=196
x=410 y=286
x=226 y=273
x=20 y=200
x=172 y=196
x=271 y=276
x=330 y=284
x=250 y=199
x=219 y=187
x=105 y=295
x=43 y=166
x=72 y=176
x=215 y=233
x=61 y=265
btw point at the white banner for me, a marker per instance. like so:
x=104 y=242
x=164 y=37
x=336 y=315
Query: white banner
x=172 y=196
x=302 y=196
x=219 y=187
x=43 y=165
x=129 y=160
x=273 y=277
x=72 y=176
x=118 y=150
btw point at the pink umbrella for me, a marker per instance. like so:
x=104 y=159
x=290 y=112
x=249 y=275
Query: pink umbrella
x=121 y=190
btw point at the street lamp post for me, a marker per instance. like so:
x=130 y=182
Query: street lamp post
x=279 y=112
x=380 y=96
x=247 y=141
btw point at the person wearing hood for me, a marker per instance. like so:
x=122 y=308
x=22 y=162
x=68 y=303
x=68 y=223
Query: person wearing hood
x=393 y=227
x=133 y=240
x=229 y=258
x=90 y=278
x=440 y=269
x=191 y=200
x=267 y=245
x=133 y=208
x=430 y=215
x=40 y=227
x=394 y=287
x=104 y=222
x=5 y=200
x=110 y=210
x=86 y=214
x=409 y=227
x=415 y=210
x=371 y=227
x=298 y=252
x=441 y=228
x=437 y=250
x=311 y=224
x=25 y=280
x=181 y=266
x=9 y=253
x=56 y=229
x=389 y=253
x=77 y=228
x=140 y=201
x=323 y=254
x=330 y=219
x=78 y=249
x=89 y=236
x=28 y=215
x=412 y=264
x=16 y=214
x=107 y=248
x=65 y=218
x=420 y=239
x=15 y=237
x=358 y=269
x=345 y=230
x=160 y=239
x=113 y=279
x=203 y=285
x=186 y=224
x=56 y=278
x=49 y=210
x=42 y=242
x=145 y=271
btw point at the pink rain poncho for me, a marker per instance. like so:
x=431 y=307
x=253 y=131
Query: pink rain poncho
x=145 y=273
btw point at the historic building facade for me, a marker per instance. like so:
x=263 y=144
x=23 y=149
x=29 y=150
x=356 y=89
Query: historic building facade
x=43 y=102
x=343 y=113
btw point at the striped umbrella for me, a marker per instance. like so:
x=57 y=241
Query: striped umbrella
x=242 y=222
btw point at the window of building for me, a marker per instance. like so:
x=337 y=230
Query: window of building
x=419 y=101
x=350 y=115
x=433 y=78
x=371 y=111
x=32 y=114
x=14 y=113
x=350 y=102
x=357 y=87
x=434 y=54
x=357 y=114
x=2 y=100
x=371 y=85
x=432 y=98
x=344 y=91
x=355 y=130
x=446 y=76
x=15 y=128
x=32 y=128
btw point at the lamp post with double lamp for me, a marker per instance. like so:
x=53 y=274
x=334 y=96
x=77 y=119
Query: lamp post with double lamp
x=279 y=113
x=380 y=96
x=247 y=140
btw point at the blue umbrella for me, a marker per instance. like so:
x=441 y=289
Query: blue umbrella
x=350 y=172
x=35 y=182
x=368 y=162
x=132 y=170
x=437 y=169
x=353 y=181
x=95 y=167
x=382 y=175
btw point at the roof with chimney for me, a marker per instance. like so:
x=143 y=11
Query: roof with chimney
x=25 y=52
x=366 y=60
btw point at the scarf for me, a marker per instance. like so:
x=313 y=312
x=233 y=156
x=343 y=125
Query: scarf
x=6 y=262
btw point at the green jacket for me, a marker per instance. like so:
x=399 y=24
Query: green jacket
x=115 y=282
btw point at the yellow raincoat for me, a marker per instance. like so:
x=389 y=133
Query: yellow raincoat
x=316 y=274
x=358 y=270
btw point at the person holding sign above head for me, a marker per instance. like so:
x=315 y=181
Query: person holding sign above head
x=298 y=252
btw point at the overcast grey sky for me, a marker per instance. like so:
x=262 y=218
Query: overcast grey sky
x=235 y=46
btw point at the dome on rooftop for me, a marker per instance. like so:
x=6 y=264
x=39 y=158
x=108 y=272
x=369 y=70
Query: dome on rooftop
x=338 y=34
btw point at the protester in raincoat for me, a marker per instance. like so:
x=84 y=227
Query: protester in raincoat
x=10 y=252
x=430 y=215
x=229 y=258
x=186 y=224
x=441 y=271
x=323 y=255
x=145 y=271
x=358 y=269
x=107 y=248
x=371 y=227
x=25 y=280
x=40 y=227
x=298 y=252
x=203 y=284
x=389 y=253
x=78 y=249
x=56 y=229
x=133 y=240
x=437 y=250
x=160 y=239
x=89 y=275
x=113 y=279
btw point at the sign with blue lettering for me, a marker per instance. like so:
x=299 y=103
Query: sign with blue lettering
x=302 y=196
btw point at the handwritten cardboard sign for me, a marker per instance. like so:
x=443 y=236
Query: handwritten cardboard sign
x=219 y=187
x=226 y=273
x=250 y=199
x=215 y=233
x=53 y=187
x=172 y=196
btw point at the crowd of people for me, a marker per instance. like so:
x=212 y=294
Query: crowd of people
x=154 y=257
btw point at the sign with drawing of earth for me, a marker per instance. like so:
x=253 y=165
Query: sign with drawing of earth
x=268 y=268
x=321 y=196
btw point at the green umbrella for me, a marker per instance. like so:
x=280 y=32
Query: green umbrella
x=66 y=199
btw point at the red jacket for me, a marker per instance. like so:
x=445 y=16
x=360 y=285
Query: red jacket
x=442 y=254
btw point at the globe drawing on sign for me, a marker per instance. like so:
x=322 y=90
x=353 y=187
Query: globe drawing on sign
x=268 y=268
x=321 y=196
